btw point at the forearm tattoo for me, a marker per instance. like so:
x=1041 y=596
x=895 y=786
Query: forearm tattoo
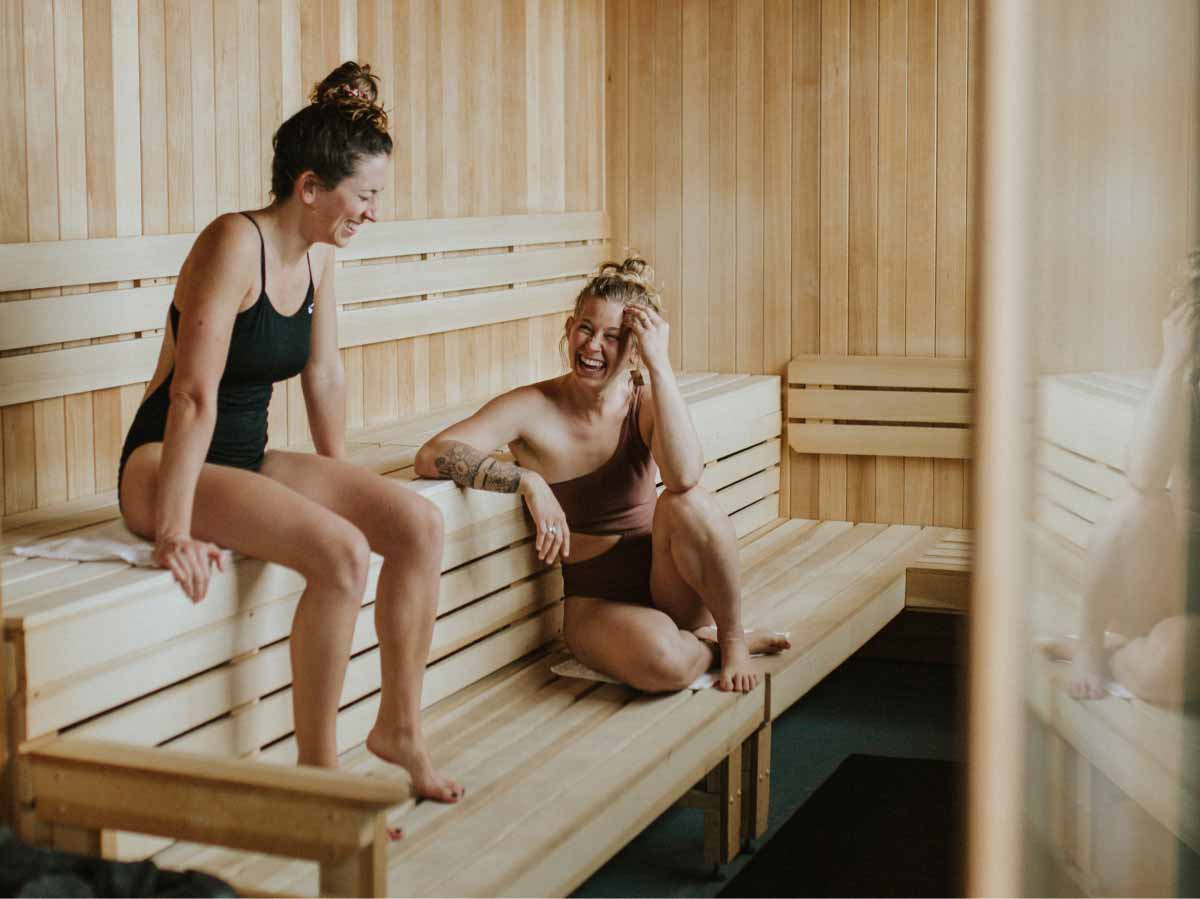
x=468 y=467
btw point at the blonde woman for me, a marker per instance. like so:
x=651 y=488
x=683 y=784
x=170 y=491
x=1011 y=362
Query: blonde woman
x=652 y=583
x=255 y=303
x=1134 y=629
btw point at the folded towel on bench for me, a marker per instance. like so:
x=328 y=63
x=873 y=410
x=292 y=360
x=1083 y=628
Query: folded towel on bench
x=108 y=542
x=572 y=667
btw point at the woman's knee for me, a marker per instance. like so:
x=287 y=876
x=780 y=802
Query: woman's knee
x=693 y=511
x=1152 y=667
x=418 y=530
x=340 y=558
x=666 y=666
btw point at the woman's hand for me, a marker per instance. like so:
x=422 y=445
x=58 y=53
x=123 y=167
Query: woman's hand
x=651 y=335
x=553 y=536
x=1179 y=337
x=190 y=561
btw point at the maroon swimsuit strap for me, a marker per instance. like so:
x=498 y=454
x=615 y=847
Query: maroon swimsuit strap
x=618 y=497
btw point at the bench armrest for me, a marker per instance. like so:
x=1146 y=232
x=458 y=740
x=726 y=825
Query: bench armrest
x=336 y=819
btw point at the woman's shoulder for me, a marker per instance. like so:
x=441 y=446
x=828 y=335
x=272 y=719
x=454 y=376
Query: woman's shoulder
x=229 y=235
x=536 y=398
x=226 y=252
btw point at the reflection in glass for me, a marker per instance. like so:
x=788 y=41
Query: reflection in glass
x=1112 y=786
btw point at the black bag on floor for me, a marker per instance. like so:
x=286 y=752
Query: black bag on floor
x=28 y=871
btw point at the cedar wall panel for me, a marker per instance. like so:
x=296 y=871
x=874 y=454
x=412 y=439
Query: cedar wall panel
x=798 y=171
x=130 y=117
x=1118 y=145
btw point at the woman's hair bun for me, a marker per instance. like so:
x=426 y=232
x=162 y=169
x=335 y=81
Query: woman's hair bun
x=353 y=90
x=631 y=281
x=637 y=267
x=634 y=270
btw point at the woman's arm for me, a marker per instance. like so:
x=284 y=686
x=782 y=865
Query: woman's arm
x=1160 y=428
x=462 y=453
x=324 y=379
x=215 y=278
x=673 y=439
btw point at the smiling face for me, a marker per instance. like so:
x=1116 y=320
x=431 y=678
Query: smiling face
x=598 y=343
x=340 y=212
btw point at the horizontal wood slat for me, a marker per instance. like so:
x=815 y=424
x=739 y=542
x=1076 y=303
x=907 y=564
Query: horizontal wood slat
x=881 y=371
x=359 y=327
x=308 y=813
x=32 y=323
x=406 y=279
x=880 y=405
x=35 y=376
x=40 y=264
x=880 y=440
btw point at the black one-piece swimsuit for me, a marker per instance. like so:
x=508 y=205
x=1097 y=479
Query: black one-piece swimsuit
x=266 y=346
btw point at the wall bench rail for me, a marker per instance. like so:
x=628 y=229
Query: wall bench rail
x=880 y=406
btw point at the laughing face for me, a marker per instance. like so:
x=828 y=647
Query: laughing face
x=598 y=344
x=340 y=213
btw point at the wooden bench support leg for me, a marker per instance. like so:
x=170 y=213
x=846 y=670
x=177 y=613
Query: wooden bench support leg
x=83 y=841
x=723 y=824
x=756 y=788
x=362 y=874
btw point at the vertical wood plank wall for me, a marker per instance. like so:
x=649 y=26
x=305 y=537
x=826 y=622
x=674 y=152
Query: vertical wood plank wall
x=1118 y=172
x=798 y=173
x=140 y=117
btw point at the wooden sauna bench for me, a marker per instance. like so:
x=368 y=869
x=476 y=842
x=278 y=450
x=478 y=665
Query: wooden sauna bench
x=560 y=772
x=1143 y=749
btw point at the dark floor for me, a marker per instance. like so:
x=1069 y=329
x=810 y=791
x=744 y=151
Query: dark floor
x=871 y=706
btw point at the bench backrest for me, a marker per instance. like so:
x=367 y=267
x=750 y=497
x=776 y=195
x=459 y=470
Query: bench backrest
x=107 y=651
x=880 y=406
x=83 y=320
x=1084 y=423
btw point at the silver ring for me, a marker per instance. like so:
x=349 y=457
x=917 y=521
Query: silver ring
x=552 y=530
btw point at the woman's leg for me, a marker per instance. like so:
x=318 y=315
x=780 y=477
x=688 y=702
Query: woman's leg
x=1130 y=582
x=1155 y=667
x=696 y=579
x=407 y=530
x=259 y=517
x=638 y=645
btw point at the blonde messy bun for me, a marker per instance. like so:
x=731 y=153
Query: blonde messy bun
x=631 y=281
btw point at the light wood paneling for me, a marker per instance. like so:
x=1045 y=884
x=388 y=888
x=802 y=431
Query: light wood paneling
x=132 y=118
x=823 y=180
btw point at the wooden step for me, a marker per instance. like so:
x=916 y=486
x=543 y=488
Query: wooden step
x=940 y=580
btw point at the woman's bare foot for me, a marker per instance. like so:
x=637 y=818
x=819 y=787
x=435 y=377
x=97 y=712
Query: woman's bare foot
x=407 y=752
x=1087 y=680
x=733 y=655
x=1087 y=673
x=737 y=671
x=758 y=642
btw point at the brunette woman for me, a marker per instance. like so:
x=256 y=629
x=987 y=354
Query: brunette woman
x=255 y=303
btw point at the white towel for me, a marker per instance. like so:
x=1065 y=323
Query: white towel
x=109 y=542
x=572 y=667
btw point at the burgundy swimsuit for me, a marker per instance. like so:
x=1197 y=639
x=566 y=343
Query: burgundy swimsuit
x=616 y=498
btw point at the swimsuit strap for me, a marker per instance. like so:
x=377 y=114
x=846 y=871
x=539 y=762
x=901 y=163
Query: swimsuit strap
x=310 y=277
x=263 y=253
